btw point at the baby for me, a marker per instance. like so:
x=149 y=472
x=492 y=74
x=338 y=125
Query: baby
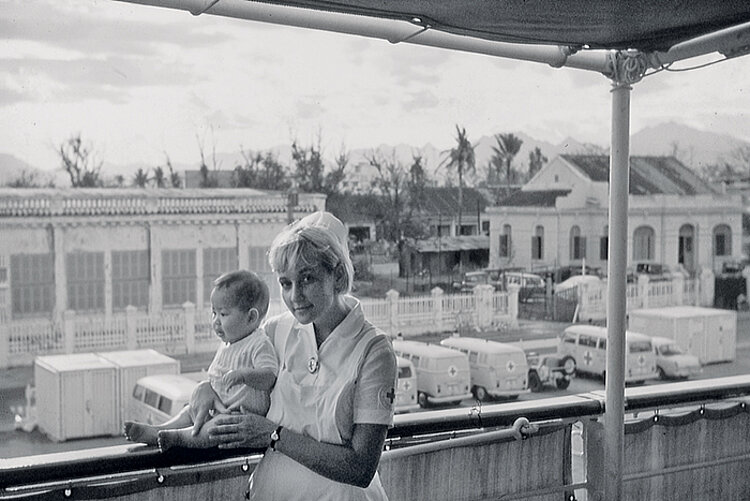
x=243 y=370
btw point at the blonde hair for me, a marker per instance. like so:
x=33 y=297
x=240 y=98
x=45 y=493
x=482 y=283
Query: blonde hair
x=307 y=243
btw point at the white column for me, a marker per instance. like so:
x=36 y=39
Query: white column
x=108 y=283
x=155 y=297
x=437 y=308
x=614 y=417
x=57 y=234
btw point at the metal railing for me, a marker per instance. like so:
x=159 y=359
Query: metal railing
x=687 y=437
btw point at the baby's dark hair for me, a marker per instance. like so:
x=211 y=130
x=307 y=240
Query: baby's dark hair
x=248 y=289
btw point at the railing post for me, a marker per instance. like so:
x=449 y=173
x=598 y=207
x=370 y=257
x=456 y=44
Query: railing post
x=484 y=313
x=678 y=289
x=593 y=443
x=392 y=297
x=131 y=341
x=188 y=310
x=513 y=304
x=643 y=289
x=584 y=302
x=707 y=286
x=69 y=331
x=746 y=276
x=4 y=346
x=437 y=308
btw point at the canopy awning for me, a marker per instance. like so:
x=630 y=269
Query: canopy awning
x=646 y=25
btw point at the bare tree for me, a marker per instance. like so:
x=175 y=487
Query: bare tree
x=309 y=167
x=335 y=177
x=391 y=184
x=174 y=178
x=742 y=156
x=78 y=161
x=29 y=179
x=208 y=179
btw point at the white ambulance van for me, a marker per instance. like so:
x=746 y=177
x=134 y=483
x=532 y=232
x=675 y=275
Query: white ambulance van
x=443 y=374
x=406 y=391
x=583 y=349
x=497 y=369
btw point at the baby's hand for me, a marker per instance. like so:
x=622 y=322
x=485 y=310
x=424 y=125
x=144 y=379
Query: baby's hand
x=232 y=378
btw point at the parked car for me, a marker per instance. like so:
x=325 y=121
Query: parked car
x=470 y=280
x=673 y=362
x=546 y=369
x=531 y=285
x=655 y=271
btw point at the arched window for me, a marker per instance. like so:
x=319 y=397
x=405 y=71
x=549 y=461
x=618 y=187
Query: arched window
x=604 y=244
x=504 y=248
x=577 y=244
x=722 y=240
x=643 y=244
x=537 y=243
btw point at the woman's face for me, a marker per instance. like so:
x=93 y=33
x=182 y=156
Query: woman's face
x=308 y=292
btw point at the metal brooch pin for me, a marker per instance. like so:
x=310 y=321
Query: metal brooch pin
x=312 y=365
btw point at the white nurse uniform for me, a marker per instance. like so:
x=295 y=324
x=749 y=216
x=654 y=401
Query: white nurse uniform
x=322 y=392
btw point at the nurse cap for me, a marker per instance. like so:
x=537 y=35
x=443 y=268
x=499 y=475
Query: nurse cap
x=329 y=222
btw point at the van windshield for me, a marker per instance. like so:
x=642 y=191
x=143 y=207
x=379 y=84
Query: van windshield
x=640 y=346
x=404 y=372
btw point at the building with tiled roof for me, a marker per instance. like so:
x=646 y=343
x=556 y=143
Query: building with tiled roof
x=560 y=217
x=98 y=251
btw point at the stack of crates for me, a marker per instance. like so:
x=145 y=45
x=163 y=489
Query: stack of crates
x=708 y=333
x=87 y=394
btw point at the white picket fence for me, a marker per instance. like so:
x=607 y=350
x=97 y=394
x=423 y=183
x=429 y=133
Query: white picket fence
x=188 y=329
x=592 y=298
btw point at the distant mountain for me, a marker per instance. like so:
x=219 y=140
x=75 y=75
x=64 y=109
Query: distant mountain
x=695 y=148
x=13 y=169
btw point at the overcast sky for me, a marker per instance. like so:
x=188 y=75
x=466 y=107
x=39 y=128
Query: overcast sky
x=139 y=82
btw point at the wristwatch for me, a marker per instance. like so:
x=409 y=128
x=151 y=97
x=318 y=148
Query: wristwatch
x=275 y=437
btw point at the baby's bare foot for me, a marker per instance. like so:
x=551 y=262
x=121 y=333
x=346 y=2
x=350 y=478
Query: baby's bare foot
x=168 y=439
x=139 y=432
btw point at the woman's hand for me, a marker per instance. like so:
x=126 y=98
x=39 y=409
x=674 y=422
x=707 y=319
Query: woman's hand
x=241 y=430
x=203 y=403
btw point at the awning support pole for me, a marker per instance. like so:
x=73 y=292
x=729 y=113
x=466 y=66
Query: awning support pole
x=614 y=415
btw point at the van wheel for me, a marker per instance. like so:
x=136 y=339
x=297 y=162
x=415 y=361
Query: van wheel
x=535 y=384
x=422 y=400
x=480 y=393
x=562 y=383
x=569 y=365
x=662 y=375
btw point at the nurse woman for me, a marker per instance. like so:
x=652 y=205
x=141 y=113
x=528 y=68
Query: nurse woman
x=333 y=400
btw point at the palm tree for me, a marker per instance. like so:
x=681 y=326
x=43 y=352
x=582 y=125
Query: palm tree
x=462 y=158
x=140 y=178
x=508 y=146
x=159 y=178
